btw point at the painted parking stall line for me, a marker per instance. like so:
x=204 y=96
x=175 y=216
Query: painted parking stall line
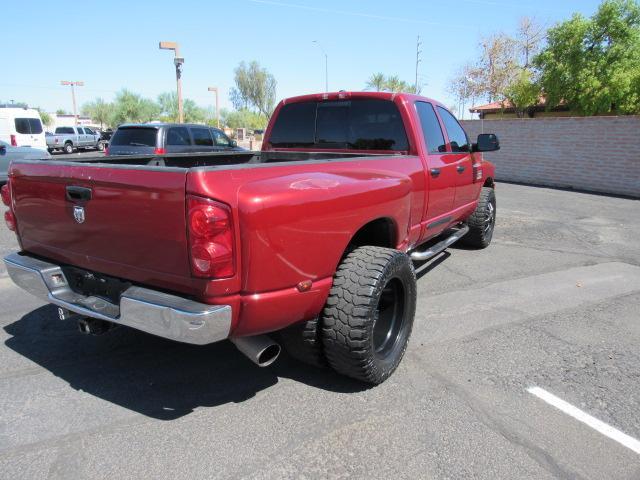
x=598 y=425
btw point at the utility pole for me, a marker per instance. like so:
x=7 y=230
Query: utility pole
x=418 y=52
x=178 y=61
x=73 y=97
x=326 y=66
x=215 y=89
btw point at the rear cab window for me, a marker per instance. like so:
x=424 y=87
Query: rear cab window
x=64 y=130
x=357 y=124
x=135 y=137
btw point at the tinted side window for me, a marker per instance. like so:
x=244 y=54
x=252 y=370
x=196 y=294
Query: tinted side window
x=220 y=139
x=430 y=128
x=457 y=136
x=178 y=136
x=80 y=130
x=295 y=125
x=22 y=125
x=202 y=137
x=89 y=131
x=36 y=125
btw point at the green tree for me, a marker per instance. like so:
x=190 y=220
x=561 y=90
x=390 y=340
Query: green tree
x=377 y=82
x=168 y=103
x=593 y=64
x=255 y=89
x=61 y=111
x=129 y=107
x=99 y=111
x=45 y=117
x=523 y=92
x=243 y=118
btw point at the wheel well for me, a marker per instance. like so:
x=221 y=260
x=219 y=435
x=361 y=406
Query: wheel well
x=68 y=142
x=489 y=183
x=377 y=233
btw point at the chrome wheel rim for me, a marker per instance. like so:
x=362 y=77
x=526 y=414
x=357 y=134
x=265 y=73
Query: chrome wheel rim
x=489 y=219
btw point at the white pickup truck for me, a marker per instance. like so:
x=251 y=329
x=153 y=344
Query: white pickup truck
x=69 y=139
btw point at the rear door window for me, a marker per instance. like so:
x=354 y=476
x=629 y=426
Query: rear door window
x=431 y=130
x=178 y=136
x=22 y=125
x=35 y=125
x=135 y=137
x=362 y=124
x=457 y=136
x=202 y=137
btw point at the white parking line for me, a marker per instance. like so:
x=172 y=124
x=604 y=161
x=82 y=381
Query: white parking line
x=598 y=425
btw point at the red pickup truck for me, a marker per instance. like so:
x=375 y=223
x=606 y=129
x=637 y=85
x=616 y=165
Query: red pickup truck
x=314 y=237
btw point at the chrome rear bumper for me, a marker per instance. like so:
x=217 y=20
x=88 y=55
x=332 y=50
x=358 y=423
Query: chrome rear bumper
x=151 y=311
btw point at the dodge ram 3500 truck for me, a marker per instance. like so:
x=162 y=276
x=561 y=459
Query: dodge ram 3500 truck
x=314 y=237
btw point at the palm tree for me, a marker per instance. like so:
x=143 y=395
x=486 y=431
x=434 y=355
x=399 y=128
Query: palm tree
x=377 y=82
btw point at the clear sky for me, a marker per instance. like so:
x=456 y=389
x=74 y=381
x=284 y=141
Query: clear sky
x=114 y=44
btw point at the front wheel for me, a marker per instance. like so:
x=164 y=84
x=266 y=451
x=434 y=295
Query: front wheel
x=68 y=148
x=368 y=317
x=482 y=221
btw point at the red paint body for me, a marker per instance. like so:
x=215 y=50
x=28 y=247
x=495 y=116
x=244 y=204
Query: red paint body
x=292 y=221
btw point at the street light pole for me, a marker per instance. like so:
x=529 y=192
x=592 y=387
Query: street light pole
x=326 y=66
x=73 y=97
x=215 y=89
x=178 y=61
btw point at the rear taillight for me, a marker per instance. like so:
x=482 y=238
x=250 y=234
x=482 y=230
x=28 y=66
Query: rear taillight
x=106 y=150
x=159 y=151
x=9 y=217
x=10 y=220
x=211 y=239
x=5 y=194
x=13 y=141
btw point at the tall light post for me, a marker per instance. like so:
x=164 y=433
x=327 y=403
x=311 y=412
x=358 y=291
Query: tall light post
x=215 y=89
x=326 y=66
x=177 y=61
x=73 y=97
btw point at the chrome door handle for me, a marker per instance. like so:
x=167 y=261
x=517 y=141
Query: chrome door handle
x=434 y=172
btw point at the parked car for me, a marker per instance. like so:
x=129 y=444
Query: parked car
x=105 y=135
x=22 y=127
x=8 y=153
x=70 y=139
x=314 y=237
x=160 y=138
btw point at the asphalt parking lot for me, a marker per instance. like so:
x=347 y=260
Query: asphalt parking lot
x=553 y=303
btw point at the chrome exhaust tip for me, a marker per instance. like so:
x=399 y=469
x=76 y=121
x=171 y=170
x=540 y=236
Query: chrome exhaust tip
x=260 y=349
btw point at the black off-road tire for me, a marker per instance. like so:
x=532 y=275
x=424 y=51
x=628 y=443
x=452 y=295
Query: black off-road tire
x=482 y=221
x=373 y=287
x=68 y=148
x=302 y=341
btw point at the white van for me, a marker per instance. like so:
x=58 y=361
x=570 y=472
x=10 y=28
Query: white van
x=22 y=127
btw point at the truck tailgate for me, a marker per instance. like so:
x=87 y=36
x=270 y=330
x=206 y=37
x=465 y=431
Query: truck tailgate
x=133 y=225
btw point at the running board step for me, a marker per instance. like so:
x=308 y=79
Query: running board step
x=432 y=251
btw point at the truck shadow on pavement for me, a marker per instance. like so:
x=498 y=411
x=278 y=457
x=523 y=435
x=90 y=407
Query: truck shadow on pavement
x=150 y=375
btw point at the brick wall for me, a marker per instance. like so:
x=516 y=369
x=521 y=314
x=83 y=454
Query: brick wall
x=600 y=154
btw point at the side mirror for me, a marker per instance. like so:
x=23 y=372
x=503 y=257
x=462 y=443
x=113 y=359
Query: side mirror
x=487 y=142
x=3 y=149
x=233 y=143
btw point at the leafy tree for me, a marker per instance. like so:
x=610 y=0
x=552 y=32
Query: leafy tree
x=523 y=92
x=243 y=118
x=498 y=64
x=465 y=86
x=377 y=82
x=168 y=103
x=129 y=107
x=61 y=111
x=99 y=111
x=45 y=117
x=594 y=64
x=392 y=83
x=255 y=89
